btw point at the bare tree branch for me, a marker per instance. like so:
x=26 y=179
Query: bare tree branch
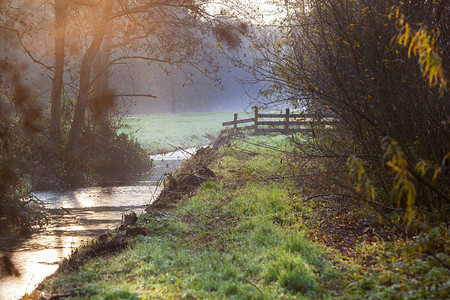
x=37 y=61
x=135 y=95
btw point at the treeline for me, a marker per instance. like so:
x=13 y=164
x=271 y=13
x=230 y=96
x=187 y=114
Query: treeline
x=381 y=69
x=176 y=93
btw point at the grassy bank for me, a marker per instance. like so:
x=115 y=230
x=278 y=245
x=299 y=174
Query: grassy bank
x=251 y=234
x=163 y=132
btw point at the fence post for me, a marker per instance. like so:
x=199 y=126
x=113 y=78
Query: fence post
x=286 y=124
x=256 y=120
x=235 y=122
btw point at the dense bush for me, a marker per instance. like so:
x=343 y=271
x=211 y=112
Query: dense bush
x=105 y=156
x=113 y=156
x=34 y=161
x=20 y=210
x=379 y=68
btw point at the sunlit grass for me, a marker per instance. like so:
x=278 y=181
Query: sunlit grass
x=165 y=131
x=247 y=235
x=237 y=239
x=254 y=256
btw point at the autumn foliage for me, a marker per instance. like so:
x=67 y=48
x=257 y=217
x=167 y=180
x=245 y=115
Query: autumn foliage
x=379 y=67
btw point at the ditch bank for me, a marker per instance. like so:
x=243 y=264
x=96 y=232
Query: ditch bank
x=187 y=171
x=249 y=232
x=75 y=218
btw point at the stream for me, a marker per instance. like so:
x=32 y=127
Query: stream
x=75 y=217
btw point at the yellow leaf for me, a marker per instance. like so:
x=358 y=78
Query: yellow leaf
x=446 y=157
x=436 y=173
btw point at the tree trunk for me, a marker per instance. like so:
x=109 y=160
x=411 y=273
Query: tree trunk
x=101 y=68
x=104 y=124
x=101 y=87
x=83 y=94
x=57 y=80
x=85 y=79
x=80 y=107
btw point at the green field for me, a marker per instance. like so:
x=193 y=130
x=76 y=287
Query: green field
x=159 y=133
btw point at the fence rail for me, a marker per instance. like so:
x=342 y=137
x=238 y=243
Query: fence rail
x=286 y=123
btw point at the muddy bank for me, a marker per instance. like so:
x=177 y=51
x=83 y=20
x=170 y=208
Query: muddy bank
x=194 y=171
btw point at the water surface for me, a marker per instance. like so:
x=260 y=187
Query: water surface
x=76 y=217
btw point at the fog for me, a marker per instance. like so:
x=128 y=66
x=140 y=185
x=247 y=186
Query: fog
x=183 y=90
x=177 y=89
x=169 y=88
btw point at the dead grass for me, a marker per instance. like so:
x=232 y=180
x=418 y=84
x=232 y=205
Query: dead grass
x=192 y=173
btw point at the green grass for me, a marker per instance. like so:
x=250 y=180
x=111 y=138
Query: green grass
x=245 y=236
x=235 y=239
x=164 y=132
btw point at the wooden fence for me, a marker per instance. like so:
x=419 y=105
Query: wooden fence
x=278 y=123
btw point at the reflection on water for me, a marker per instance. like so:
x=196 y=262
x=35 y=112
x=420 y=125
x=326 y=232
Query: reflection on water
x=75 y=218
x=82 y=217
x=35 y=262
x=100 y=196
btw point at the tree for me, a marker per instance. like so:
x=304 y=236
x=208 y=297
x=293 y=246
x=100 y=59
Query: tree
x=154 y=31
x=85 y=75
x=341 y=58
x=162 y=31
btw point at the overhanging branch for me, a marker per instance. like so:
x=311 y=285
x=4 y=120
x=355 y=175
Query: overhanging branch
x=106 y=67
x=50 y=68
x=135 y=95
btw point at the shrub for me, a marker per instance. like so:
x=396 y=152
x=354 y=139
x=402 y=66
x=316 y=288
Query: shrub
x=355 y=61
x=21 y=210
